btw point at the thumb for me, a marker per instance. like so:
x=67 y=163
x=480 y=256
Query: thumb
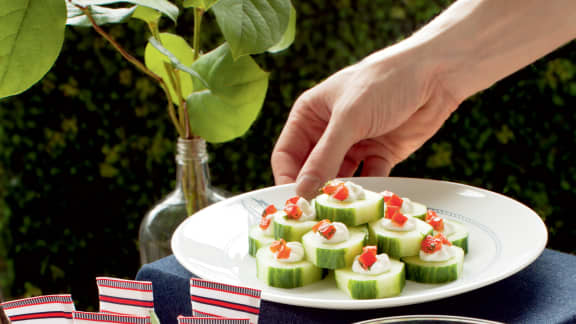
x=323 y=161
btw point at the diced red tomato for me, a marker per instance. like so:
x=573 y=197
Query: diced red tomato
x=391 y=210
x=271 y=209
x=277 y=245
x=292 y=201
x=284 y=252
x=330 y=187
x=437 y=223
x=327 y=230
x=399 y=218
x=431 y=244
x=319 y=224
x=442 y=239
x=368 y=256
x=430 y=214
x=281 y=249
x=293 y=211
x=265 y=222
x=391 y=199
x=341 y=193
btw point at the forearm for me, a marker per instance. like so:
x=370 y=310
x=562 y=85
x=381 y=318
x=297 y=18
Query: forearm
x=475 y=43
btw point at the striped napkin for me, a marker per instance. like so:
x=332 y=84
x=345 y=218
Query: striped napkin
x=208 y=320
x=120 y=296
x=98 y=318
x=211 y=299
x=50 y=309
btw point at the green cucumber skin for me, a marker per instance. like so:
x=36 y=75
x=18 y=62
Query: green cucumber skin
x=257 y=240
x=434 y=272
x=460 y=236
x=350 y=216
x=384 y=285
x=398 y=244
x=461 y=242
x=334 y=256
x=285 y=275
x=291 y=230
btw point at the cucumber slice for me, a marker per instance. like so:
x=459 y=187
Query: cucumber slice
x=399 y=244
x=434 y=272
x=285 y=275
x=418 y=210
x=350 y=213
x=459 y=237
x=365 y=286
x=257 y=239
x=334 y=256
x=290 y=229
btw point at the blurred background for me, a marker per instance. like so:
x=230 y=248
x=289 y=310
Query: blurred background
x=89 y=149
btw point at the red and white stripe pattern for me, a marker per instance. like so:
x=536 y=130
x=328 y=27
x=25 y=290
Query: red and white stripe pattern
x=120 y=296
x=213 y=320
x=98 y=318
x=211 y=299
x=49 y=309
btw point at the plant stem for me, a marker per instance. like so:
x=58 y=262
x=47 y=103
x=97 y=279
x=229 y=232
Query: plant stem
x=198 y=13
x=177 y=86
x=137 y=64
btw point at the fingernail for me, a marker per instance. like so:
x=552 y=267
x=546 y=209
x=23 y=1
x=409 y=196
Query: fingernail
x=307 y=186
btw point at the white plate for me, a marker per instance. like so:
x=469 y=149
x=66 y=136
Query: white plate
x=505 y=237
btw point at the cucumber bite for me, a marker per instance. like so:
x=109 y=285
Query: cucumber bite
x=408 y=207
x=297 y=218
x=257 y=239
x=438 y=262
x=371 y=276
x=263 y=233
x=333 y=245
x=399 y=241
x=454 y=231
x=348 y=203
x=282 y=265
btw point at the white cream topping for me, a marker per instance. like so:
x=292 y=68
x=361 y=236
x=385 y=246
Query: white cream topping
x=308 y=211
x=342 y=234
x=445 y=253
x=381 y=265
x=355 y=192
x=296 y=253
x=407 y=206
x=409 y=225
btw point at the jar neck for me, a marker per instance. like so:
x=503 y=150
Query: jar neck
x=191 y=157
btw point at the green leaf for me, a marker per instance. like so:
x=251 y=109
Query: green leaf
x=252 y=26
x=179 y=48
x=102 y=15
x=147 y=14
x=235 y=94
x=289 y=35
x=202 y=4
x=31 y=34
x=164 y=6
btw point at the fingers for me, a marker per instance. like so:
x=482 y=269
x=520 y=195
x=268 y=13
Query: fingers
x=376 y=166
x=300 y=133
x=324 y=160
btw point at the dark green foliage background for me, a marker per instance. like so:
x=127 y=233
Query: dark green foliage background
x=89 y=149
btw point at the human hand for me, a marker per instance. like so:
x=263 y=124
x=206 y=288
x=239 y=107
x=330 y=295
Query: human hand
x=377 y=111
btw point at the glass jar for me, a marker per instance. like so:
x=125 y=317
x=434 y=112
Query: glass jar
x=192 y=193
